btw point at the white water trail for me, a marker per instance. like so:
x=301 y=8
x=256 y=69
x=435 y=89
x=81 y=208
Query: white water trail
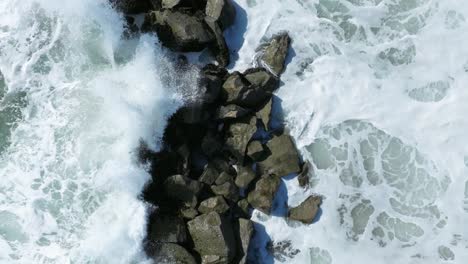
x=78 y=98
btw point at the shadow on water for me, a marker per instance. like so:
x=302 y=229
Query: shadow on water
x=235 y=34
x=280 y=202
x=258 y=250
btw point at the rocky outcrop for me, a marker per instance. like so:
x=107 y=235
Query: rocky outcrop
x=306 y=211
x=275 y=52
x=284 y=158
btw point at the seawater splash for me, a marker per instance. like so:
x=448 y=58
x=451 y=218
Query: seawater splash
x=75 y=101
x=375 y=95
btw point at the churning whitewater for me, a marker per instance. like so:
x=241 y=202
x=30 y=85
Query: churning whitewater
x=374 y=93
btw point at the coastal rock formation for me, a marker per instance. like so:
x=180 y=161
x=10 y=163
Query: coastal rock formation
x=275 y=52
x=261 y=198
x=284 y=157
x=306 y=211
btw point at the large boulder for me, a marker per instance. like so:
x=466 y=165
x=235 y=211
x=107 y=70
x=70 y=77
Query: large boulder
x=183 y=189
x=239 y=135
x=167 y=229
x=306 y=211
x=179 y=31
x=261 y=198
x=264 y=114
x=274 y=53
x=238 y=90
x=261 y=77
x=213 y=238
x=209 y=175
x=221 y=11
x=284 y=158
x=246 y=231
x=169 y=253
x=214 y=204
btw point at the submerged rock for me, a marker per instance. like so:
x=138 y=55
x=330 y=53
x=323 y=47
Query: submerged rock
x=169 y=253
x=284 y=158
x=275 y=52
x=306 y=211
x=261 y=198
x=213 y=238
x=214 y=204
x=239 y=135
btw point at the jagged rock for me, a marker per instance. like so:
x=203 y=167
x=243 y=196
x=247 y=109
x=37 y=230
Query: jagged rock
x=214 y=204
x=212 y=78
x=132 y=6
x=221 y=11
x=238 y=136
x=228 y=189
x=169 y=253
x=284 y=158
x=188 y=213
x=209 y=175
x=246 y=231
x=233 y=87
x=231 y=111
x=261 y=198
x=303 y=177
x=262 y=78
x=183 y=189
x=306 y=211
x=213 y=235
x=223 y=178
x=167 y=229
x=179 y=31
x=264 y=114
x=256 y=151
x=220 y=47
x=245 y=175
x=275 y=52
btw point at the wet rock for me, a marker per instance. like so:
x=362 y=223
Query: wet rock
x=132 y=6
x=303 y=177
x=212 y=78
x=169 y=253
x=188 y=213
x=246 y=231
x=256 y=151
x=261 y=198
x=167 y=229
x=228 y=190
x=213 y=238
x=230 y=112
x=306 y=211
x=183 y=189
x=239 y=135
x=275 y=52
x=221 y=11
x=214 y=204
x=264 y=114
x=245 y=175
x=262 y=78
x=284 y=158
x=179 y=31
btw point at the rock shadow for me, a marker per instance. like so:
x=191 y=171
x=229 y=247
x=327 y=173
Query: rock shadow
x=235 y=34
x=258 y=252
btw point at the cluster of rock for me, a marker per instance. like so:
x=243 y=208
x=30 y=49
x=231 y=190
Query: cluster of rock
x=221 y=157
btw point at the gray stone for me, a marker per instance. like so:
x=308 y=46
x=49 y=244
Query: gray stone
x=238 y=136
x=306 y=211
x=169 y=253
x=275 y=52
x=261 y=198
x=231 y=111
x=228 y=189
x=284 y=158
x=221 y=11
x=188 y=213
x=213 y=236
x=183 y=189
x=246 y=231
x=214 y=204
x=245 y=175
x=167 y=229
x=233 y=87
x=209 y=175
x=264 y=114
x=179 y=31
x=256 y=150
x=262 y=78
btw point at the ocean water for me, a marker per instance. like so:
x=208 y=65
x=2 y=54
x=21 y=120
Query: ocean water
x=375 y=95
x=75 y=100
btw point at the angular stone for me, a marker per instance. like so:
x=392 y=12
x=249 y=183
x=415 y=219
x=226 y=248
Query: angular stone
x=306 y=211
x=284 y=158
x=245 y=175
x=193 y=114
x=233 y=87
x=256 y=150
x=260 y=77
x=169 y=253
x=183 y=189
x=275 y=52
x=167 y=229
x=246 y=231
x=211 y=80
x=230 y=112
x=238 y=136
x=244 y=207
x=221 y=11
x=214 y=204
x=261 y=198
x=228 y=189
x=303 y=177
x=264 y=114
x=179 y=31
x=223 y=178
x=209 y=175
x=213 y=235
x=188 y=213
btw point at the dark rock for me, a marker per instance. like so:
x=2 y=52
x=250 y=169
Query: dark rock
x=307 y=210
x=221 y=11
x=193 y=114
x=132 y=6
x=261 y=198
x=243 y=208
x=303 y=177
x=282 y=250
x=246 y=231
x=219 y=48
x=214 y=204
x=233 y=87
x=231 y=111
x=264 y=114
x=223 y=178
x=213 y=238
x=245 y=175
x=212 y=78
x=262 y=78
x=256 y=151
x=179 y=31
x=239 y=135
x=284 y=158
x=228 y=189
x=183 y=189
x=211 y=144
x=275 y=52
x=188 y=213
x=209 y=175
x=169 y=253
x=167 y=229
